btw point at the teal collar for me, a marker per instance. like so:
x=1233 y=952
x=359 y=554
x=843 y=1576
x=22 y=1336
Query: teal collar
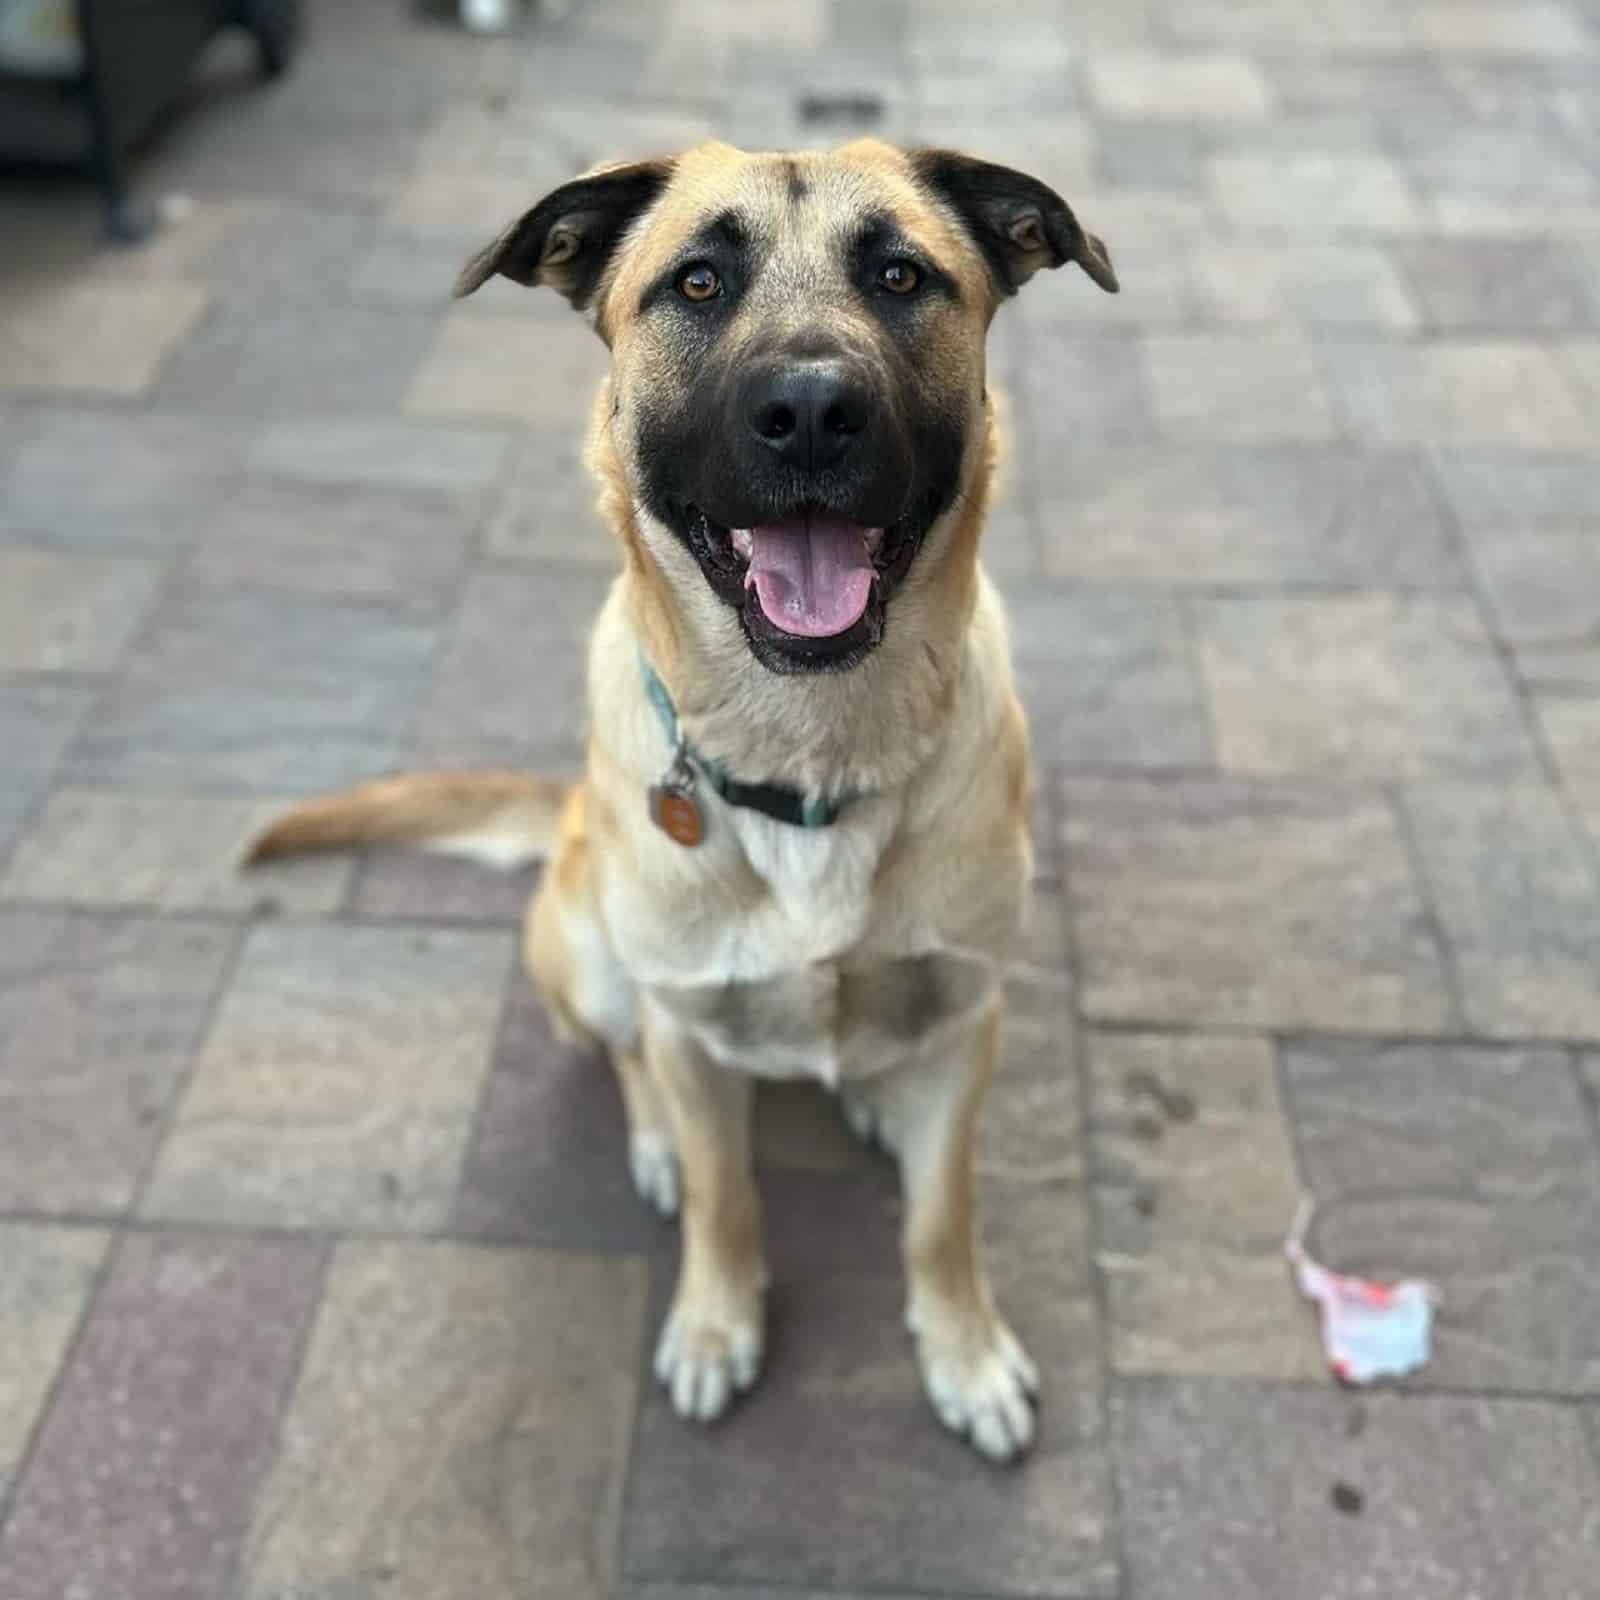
x=776 y=800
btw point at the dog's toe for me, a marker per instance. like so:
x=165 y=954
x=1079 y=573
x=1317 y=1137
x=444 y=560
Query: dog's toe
x=654 y=1164
x=987 y=1395
x=702 y=1365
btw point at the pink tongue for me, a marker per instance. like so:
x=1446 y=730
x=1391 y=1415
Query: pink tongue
x=813 y=579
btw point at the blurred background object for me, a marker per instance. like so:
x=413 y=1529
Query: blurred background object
x=84 y=81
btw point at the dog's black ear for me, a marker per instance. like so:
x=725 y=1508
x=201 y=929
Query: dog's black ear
x=567 y=239
x=1019 y=223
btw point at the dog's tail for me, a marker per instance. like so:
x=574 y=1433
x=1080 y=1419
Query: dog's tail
x=501 y=818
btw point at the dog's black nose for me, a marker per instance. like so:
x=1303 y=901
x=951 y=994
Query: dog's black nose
x=810 y=414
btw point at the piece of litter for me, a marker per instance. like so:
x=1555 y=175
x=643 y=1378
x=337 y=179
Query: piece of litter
x=1369 y=1330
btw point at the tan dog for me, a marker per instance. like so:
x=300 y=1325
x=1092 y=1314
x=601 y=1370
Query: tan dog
x=801 y=845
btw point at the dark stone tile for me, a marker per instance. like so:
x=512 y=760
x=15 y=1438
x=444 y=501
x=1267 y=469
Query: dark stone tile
x=838 y=1431
x=1106 y=678
x=404 y=885
x=290 y=354
x=1274 y=515
x=243 y=688
x=144 y=1476
x=141 y=481
x=399 y=547
x=513 y=675
x=548 y=1162
x=98 y=1019
x=1247 y=905
x=1517 y=894
x=1501 y=284
x=1471 y=1167
x=36 y=721
x=1226 y=1486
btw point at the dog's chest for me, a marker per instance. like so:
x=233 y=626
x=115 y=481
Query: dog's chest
x=829 y=972
x=834 y=1020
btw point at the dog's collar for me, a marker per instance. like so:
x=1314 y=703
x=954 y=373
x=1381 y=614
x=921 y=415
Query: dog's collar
x=779 y=801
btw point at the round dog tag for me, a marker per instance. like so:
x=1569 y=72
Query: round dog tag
x=677 y=814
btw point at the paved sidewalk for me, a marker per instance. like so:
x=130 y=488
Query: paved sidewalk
x=319 y=1274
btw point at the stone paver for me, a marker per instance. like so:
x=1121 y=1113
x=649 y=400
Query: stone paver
x=1106 y=677
x=321 y=1274
x=1238 y=1480
x=98 y=1018
x=1265 y=905
x=118 y=847
x=1518 y=896
x=95 y=338
x=1358 y=686
x=148 y=1464
x=1459 y=393
x=1237 y=389
x=1474 y=1168
x=240 y=688
x=515 y=633
x=1257 y=515
x=339 y=1080
x=461 y=1427
x=1194 y=1268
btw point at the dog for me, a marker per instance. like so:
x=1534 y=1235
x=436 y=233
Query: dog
x=801 y=844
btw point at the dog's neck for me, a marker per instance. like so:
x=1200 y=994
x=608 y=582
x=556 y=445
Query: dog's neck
x=868 y=730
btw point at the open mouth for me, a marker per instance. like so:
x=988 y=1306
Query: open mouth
x=810 y=589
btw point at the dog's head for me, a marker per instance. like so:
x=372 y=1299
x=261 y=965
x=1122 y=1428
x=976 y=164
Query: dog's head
x=797 y=344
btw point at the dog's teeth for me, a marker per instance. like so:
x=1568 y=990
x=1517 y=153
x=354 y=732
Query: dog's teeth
x=742 y=541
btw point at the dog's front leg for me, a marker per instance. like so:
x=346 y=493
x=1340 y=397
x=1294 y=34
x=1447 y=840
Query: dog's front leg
x=711 y=1344
x=979 y=1378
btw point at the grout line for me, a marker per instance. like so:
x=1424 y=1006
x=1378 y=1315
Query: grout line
x=323 y=1271
x=1426 y=893
x=1100 y=1287
x=58 y=1381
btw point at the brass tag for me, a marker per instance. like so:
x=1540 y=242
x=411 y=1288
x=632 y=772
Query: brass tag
x=677 y=814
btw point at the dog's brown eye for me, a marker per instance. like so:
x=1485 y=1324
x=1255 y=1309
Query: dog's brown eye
x=899 y=277
x=699 y=283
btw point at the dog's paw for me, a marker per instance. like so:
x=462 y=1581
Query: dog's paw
x=703 y=1361
x=654 y=1165
x=985 y=1390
